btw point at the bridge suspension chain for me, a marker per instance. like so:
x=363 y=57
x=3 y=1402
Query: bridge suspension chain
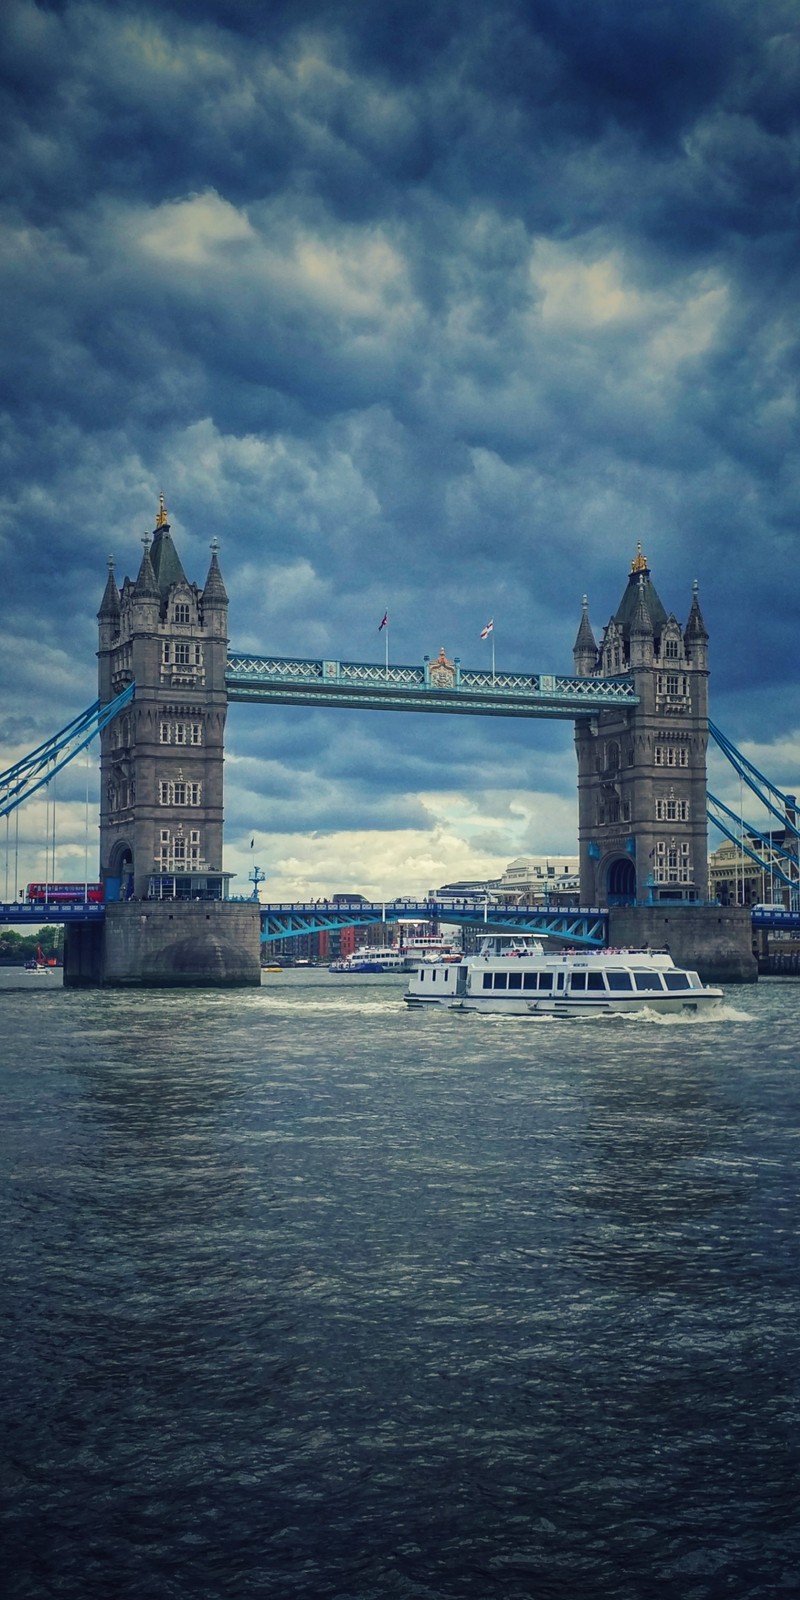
x=767 y=793
x=23 y=778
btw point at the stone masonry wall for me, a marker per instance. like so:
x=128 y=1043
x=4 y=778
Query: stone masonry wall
x=715 y=941
x=182 y=944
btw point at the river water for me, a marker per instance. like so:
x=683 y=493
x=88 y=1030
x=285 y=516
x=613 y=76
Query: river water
x=306 y=1296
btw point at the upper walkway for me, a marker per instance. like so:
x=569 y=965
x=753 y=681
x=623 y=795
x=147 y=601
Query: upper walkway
x=438 y=685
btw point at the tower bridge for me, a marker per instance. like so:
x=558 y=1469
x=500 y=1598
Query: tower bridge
x=638 y=700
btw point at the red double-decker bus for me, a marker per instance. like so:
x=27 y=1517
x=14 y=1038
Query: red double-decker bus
x=64 y=894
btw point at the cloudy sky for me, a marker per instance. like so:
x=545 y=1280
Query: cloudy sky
x=441 y=307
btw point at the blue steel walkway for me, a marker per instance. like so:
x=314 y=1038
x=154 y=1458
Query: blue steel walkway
x=587 y=926
x=438 y=685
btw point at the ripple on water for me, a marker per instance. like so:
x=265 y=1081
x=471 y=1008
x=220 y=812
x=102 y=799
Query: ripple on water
x=308 y=1294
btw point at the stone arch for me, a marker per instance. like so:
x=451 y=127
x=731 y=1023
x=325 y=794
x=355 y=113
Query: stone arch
x=120 y=871
x=620 y=881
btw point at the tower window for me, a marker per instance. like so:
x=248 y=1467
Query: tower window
x=181 y=655
x=671 y=649
x=181 y=612
x=181 y=732
x=179 y=793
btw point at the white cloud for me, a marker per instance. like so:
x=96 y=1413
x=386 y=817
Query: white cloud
x=194 y=231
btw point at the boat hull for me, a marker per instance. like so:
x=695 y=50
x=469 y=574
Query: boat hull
x=686 y=1004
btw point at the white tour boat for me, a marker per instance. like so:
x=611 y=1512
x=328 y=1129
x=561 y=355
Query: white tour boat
x=517 y=977
x=371 y=958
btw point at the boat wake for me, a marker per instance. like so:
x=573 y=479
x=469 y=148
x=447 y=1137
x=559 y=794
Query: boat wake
x=683 y=1019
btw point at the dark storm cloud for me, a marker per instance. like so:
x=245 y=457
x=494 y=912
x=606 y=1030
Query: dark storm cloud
x=443 y=307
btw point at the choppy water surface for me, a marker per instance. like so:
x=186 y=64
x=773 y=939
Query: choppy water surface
x=307 y=1296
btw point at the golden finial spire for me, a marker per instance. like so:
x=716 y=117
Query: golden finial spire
x=161 y=519
x=639 y=563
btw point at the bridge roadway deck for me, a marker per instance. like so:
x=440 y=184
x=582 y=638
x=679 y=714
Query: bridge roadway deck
x=426 y=688
x=284 y=920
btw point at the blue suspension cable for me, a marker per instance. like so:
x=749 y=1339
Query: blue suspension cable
x=22 y=780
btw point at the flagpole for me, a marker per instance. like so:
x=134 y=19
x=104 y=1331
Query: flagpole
x=492 y=652
x=386 y=641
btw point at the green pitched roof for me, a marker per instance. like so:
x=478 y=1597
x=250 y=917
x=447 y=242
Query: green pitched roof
x=629 y=604
x=165 y=559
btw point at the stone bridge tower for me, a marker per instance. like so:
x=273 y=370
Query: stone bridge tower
x=161 y=759
x=642 y=770
x=168 y=920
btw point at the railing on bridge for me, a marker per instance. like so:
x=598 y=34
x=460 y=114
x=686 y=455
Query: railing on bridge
x=36 y=913
x=774 y=919
x=436 y=686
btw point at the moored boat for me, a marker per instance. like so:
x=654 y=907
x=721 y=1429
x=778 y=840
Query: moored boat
x=371 y=958
x=518 y=977
x=429 y=947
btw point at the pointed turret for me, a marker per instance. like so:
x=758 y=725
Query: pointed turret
x=214 y=592
x=214 y=605
x=695 y=636
x=641 y=627
x=108 y=618
x=146 y=585
x=109 y=605
x=584 y=650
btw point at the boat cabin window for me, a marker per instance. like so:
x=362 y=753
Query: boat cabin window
x=577 y=981
x=560 y=979
x=529 y=980
x=515 y=980
x=677 y=980
x=619 y=980
x=545 y=980
x=648 y=980
x=487 y=980
x=594 y=980
x=500 y=980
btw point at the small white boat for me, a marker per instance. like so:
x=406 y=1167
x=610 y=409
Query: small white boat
x=37 y=964
x=371 y=958
x=517 y=977
x=428 y=947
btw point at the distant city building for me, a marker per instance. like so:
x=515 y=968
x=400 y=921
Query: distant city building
x=735 y=879
x=532 y=878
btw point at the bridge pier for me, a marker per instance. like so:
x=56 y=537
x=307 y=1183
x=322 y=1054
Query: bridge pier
x=83 y=955
x=167 y=944
x=716 y=941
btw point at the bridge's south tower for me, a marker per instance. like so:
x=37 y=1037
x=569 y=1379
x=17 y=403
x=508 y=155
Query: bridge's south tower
x=642 y=770
x=161 y=759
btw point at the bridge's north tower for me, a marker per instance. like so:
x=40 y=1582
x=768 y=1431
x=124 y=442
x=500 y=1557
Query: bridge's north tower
x=642 y=769
x=162 y=758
